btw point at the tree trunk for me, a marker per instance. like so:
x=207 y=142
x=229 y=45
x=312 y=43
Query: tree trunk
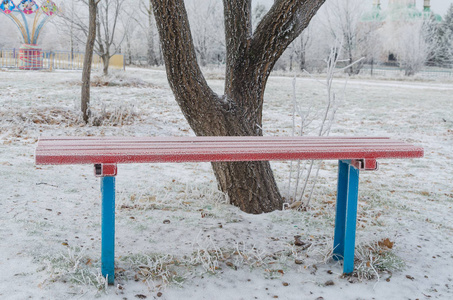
x=302 y=61
x=105 y=62
x=88 y=59
x=351 y=60
x=128 y=50
x=103 y=42
x=150 y=53
x=250 y=59
x=302 y=54
x=151 y=56
x=291 y=61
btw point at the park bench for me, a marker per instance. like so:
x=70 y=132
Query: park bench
x=353 y=154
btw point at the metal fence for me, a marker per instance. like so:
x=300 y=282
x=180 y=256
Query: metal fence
x=9 y=58
x=51 y=60
x=428 y=72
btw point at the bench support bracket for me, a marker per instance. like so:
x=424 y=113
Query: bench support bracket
x=108 y=228
x=346 y=214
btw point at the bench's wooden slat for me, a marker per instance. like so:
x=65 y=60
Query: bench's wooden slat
x=209 y=140
x=134 y=149
x=109 y=143
x=94 y=150
x=229 y=145
x=203 y=157
x=206 y=138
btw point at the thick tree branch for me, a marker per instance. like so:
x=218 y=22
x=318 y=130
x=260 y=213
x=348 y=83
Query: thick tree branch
x=238 y=32
x=279 y=27
x=250 y=58
x=86 y=73
x=184 y=75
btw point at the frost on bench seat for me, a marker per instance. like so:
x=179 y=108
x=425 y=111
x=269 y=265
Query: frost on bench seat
x=353 y=153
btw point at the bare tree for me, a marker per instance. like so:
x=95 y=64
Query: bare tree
x=414 y=48
x=250 y=57
x=128 y=35
x=343 y=22
x=108 y=20
x=74 y=22
x=301 y=45
x=205 y=17
x=370 y=46
x=146 y=7
x=411 y=41
x=71 y=31
x=86 y=73
x=144 y=20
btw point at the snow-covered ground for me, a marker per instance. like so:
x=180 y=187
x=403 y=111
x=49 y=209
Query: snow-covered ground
x=176 y=237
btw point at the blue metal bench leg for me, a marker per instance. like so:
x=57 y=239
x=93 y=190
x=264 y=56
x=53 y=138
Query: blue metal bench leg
x=346 y=215
x=108 y=228
x=340 y=217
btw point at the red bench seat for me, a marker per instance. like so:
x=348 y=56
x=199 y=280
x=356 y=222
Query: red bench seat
x=113 y=150
x=353 y=154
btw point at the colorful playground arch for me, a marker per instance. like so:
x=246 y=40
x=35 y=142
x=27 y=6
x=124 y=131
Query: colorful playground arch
x=30 y=18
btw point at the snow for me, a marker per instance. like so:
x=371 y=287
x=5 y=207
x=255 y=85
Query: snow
x=50 y=215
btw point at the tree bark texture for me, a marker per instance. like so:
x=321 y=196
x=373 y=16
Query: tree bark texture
x=250 y=59
x=88 y=59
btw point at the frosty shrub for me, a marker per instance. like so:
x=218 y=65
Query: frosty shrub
x=19 y=123
x=313 y=122
x=156 y=270
x=75 y=267
x=119 y=79
x=117 y=116
x=372 y=259
x=206 y=254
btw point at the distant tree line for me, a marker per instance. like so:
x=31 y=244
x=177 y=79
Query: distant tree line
x=130 y=29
